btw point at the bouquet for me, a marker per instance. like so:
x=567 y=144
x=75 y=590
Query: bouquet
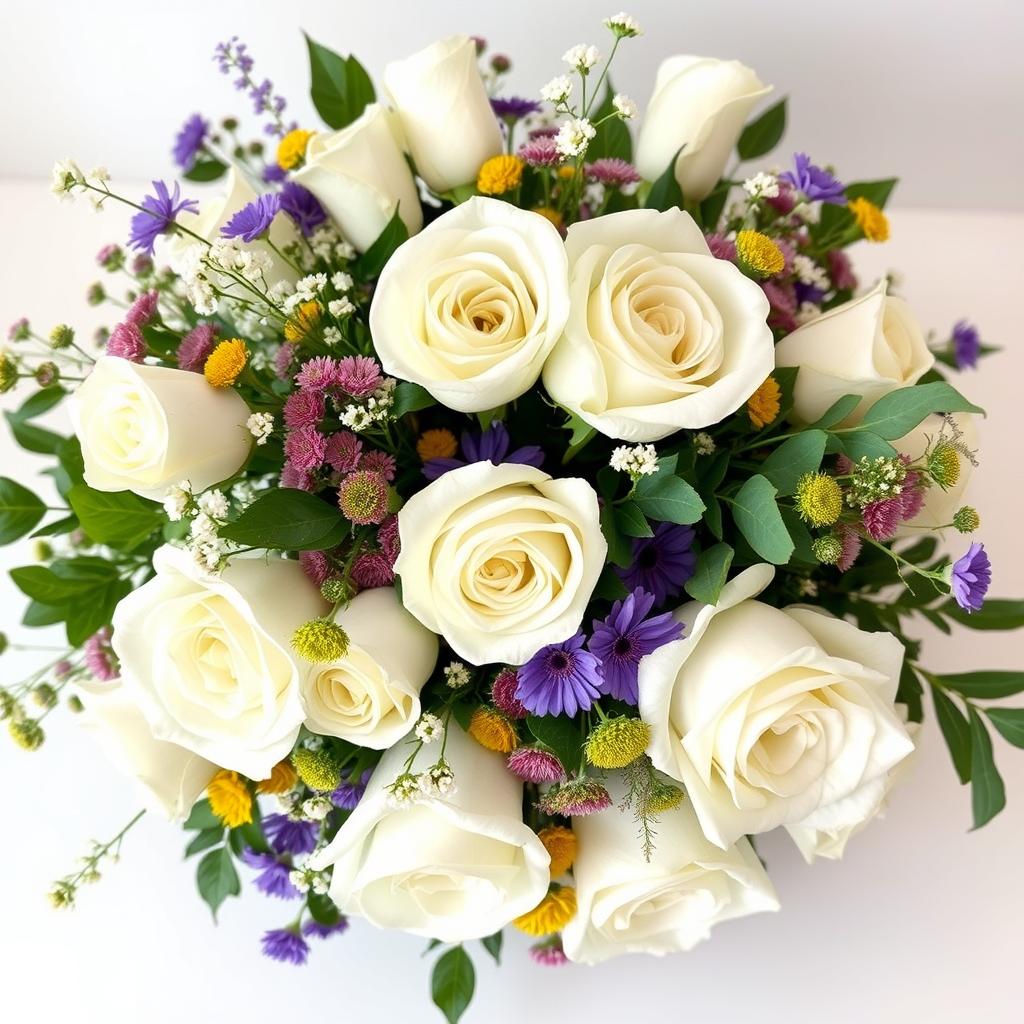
x=478 y=518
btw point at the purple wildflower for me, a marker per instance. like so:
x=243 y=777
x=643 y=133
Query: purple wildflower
x=350 y=791
x=302 y=206
x=722 y=248
x=357 y=376
x=966 y=345
x=662 y=563
x=157 y=216
x=287 y=835
x=253 y=219
x=316 y=566
x=513 y=108
x=273 y=174
x=274 y=875
x=99 y=656
x=314 y=929
x=626 y=636
x=532 y=764
x=126 y=342
x=285 y=945
x=195 y=348
x=490 y=446
x=613 y=172
x=807 y=293
x=813 y=181
x=540 y=152
x=143 y=309
x=560 y=679
x=189 y=141
x=970 y=578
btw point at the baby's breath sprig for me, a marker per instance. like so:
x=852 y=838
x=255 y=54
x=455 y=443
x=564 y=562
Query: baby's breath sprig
x=65 y=890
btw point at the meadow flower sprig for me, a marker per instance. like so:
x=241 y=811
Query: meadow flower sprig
x=65 y=891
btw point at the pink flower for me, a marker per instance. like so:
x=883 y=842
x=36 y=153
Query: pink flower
x=373 y=570
x=315 y=565
x=304 y=448
x=126 y=341
x=782 y=300
x=549 y=954
x=99 y=657
x=319 y=374
x=503 y=693
x=531 y=764
x=142 y=310
x=283 y=359
x=380 y=462
x=195 y=348
x=785 y=200
x=840 y=270
x=343 y=451
x=912 y=495
x=300 y=479
x=108 y=254
x=388 y=539
x=613 y=172
x=358 y=376
x=721 y=247
x=851 y=548
x=304 y=409
x=882 y=518
x=540 y=152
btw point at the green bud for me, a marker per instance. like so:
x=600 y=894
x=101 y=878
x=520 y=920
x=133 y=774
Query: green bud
x=75 y=705
x=966 y=519
x=62 y=336
x=229 y=124
x=8 y=373
x=44 y=695
x=95 y=294
x=42 y=551
x=47 y=374
x=828 y=549
x=335 y=590
x=3 y=642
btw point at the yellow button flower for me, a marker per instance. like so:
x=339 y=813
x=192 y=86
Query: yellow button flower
x=500 y=174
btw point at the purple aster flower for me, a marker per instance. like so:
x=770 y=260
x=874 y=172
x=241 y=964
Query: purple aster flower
x=286 y=835
x=285 y=945
x=970 y=578
x=807 y=293
x=273 y=174
x=273 y=878
x=253 y=219
x=560 y=679
x=513 y=108
x=815 y=182
x=350 y=792
x=966 y=345
x=662 y=563
x=189 y=141
x=490 y=446
x=315 y=929
x=626 y=636
x=303 y=207
x=157 y=216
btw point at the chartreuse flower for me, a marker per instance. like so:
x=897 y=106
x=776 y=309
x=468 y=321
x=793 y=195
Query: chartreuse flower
x=828 y=549
x=27 y=733
x=317 y=769
x=500 y=174
x=225 y=363
x=966 y=519
x=757 y=254
x=617 y=742
x=560 y=842
x=819 y=499
x=870 y=219
x=230 y=798
x=552 y=914
x=320 y=641
x=291 y=150
x=763 y=405
x=944 y=464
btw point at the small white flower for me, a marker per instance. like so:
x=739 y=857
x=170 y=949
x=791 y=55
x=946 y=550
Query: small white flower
x=320 y=884
x=807 y=312
x=625 y=107
x=331 y=335
x=762 y=186
x=582 y=57
x=437 y=780
x=99 y=174
x=808 y=588
x=65 y=178
x=286 y=802
x=261 y=426
x=574 y=136
x=640 y=460
x=344 y=251
x=299 y=879
x=456 y=674
x=624 y=25
x=429 y=728
x=214 y=504
x=341 y=281
x=177 y=501
x=809 y=272
x=316 y=808
x=404 y=791
x=557 y=90
x=203 y=528
x=307 y=287
x=340 y=307
x=356 y=418
x=704 y=443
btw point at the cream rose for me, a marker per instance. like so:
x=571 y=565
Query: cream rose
x=453 y=867
x=661 y=335
x=143 y=428
x=500 y=560
x=699 y=105
x=771 y=716
x=627 y=904
x=360 y=175
x=206 y=658
x=446 y=114
x=371 y=697
x=868 y=346
x=471 y=307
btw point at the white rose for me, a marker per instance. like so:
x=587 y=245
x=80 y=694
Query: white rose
x=699 y=105
x=661 y=335
x=371 y=697
x=206 y=658
x=446 y=114
x=769 y=716
x=172 y=778
x=500 y=560
x=627 y=904
x=144 y=428
x=868 y=346
x=360 y=174
x=453 y=867
x=471 y=307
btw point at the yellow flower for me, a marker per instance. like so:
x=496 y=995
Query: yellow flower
x=617 y=742
x=567 y=171
x=317 y=769
x=282 y=778
x=819 y=499
x=500 y=174
x=230 y=798
x=302 y=322
x=291 y=150
x=225 y=363
x=320 y=641
x=759 y=254
x=560 y=842
x=870 y=219
x=763 y=404
x=491 y=729
x=553 y=912
x=944 y=465
x=552 y=215
x=436 y=444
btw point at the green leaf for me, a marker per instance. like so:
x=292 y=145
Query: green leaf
x=120 y=519
x=988 y=795
x=665 y=192
x=1009 y=722
x=799 y=535
x=956 y=732
x=668 y=498
x=32 y=438
x=898 y=412
x=631 y=522
x=322 y=908
x=492 y=943
x=38 y=614
x=204 y=840
x=863 y=443
x=20 y=510
x=764 y=133
x=710 y=574
x=371 y=263
x=452 y=983
x=836 y=412
x=217 y=879
x=612 y=138
x=992 y=684
x=757 y=515
x=581 y=430
x=205 y=170
x=910 y=693
x=201 y=817
x=877 y=192
x=620 y=550
x=996 y=613
x=793 y=458
x=411 y=397
x=339 y=86
x=288 y=519
x=560 y=735
x=58 y=527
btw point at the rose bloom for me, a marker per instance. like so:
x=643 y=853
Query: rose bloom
x=360 y=174
x=661 y=335
x=207 y=659
x=371 y=697
x=773 y=716
x=471 y=307
x=627 y=904
x=500 y=560
x=698 y=109
x=452 y=867
x=144 y=428
x=868 y=346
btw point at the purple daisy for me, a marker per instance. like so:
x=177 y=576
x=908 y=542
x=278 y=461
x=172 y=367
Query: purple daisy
x=303 y=207
x=970 y=578
x=286 y=945
x=273 y=173
x=662 y=563
x=560 y=679
x=196 y=346
x=351 y=791
x=314 y=929
x=253 y=219
x=157 y=216
x=273 y=878
x=490 y=446
x=189 y=141
x=513 y=108
x=287 y=835
x=966 y=345
x=813 y=181
x=626 y=636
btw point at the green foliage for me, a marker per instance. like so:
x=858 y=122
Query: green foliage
x=898 y=412
x=757 y=516
x=990 y=684
x=322 y=908
x=493 y=943
x=452 y=983
x=955 y=731
x=764 y=133
x=877 y=192
x=339 y=86
x=988 y=795
x=793 y=458
x=666 y=497
x=995 y=614
x=836 y=412
x=20 y=511
x=631 y=522
x=710 y=573
x=217 y=879
x=1009 y=722
x=119 y=519
x=33 y=438
x=204 y=840
x=620 y=548
x=371 y=263
x=205 y=170
x=411 y=397
x=559 y=734
x=665 y=192
x=288 y=519
x=865 y=444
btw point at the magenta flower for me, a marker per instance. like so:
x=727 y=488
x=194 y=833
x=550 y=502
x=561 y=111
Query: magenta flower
x=195 y=348
x=852 y=544
x=357 y=376
x=373 y=570
x=319 y=374
x=882 y=518
x=299 y=479
x=531 y=764
x=315 y=565
x=613 y=172
x=540 y=152
x=363 y=497
x=143 y=309
x=503 y=694
x=343 y=451
x=380 y=462
x=283 y=359
x=304 y=448
x=304 y=409
x=388 y=539
x=126 y=342
x=99 y=656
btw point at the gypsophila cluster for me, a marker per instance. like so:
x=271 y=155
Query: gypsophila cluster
x=875 y=480
x=261 y=426
x=360 y=416
x=582 y=57
x=305 y=880
x=456 y=674
x=762 y=186
x=429 y=728
x=574 y=136
x=623 y=25
x=639 y=460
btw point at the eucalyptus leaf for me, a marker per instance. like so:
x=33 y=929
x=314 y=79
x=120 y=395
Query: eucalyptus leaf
x=710 y=573
x=668 y=498
x=898 y=412
x=836 y=412
x=793 y=459
x=757 y=516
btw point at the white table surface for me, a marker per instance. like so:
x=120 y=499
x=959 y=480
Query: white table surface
x=920 y=922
